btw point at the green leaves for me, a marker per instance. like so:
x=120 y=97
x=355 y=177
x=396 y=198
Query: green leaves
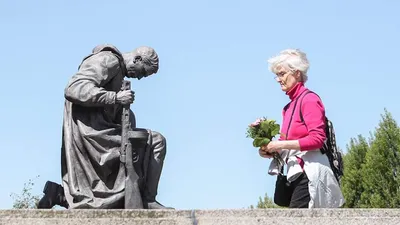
x=275 y=130
x=258 y=142
x=26 y=200
x=266 y=202
x=371 y=178
x=263 y=131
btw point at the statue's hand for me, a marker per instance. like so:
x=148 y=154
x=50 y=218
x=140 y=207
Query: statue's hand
x=125 y=97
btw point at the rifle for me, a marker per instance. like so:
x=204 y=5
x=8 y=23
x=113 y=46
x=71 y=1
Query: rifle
x=131 y=143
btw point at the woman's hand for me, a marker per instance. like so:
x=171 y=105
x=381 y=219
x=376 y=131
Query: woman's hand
x=271 y=147
x=265 y=154
x=275 y=146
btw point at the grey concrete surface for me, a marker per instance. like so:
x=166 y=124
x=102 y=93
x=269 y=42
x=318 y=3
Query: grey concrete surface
x=202 y=217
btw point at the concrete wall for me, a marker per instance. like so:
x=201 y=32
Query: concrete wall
x=202 y=217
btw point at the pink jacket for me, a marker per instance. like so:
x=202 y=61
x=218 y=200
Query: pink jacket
x=311 y=133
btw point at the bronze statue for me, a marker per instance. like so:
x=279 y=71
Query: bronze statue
x=95 y=173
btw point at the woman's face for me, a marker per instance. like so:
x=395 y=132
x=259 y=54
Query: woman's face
x=287 y=78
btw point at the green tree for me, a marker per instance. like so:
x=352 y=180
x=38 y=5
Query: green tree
x=26 y=200
x=264 y=203
x=380 y=180
x=352 y=179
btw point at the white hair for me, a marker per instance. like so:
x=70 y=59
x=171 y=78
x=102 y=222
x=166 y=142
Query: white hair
x=292 y=59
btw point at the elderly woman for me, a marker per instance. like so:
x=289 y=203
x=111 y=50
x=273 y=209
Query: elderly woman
x=308 y=170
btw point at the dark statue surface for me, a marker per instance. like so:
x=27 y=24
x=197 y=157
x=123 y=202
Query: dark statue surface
x=106 y=162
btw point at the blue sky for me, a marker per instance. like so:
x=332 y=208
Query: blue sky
x=213 y=81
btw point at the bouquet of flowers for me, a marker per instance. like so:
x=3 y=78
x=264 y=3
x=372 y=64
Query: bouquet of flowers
x=262 y=131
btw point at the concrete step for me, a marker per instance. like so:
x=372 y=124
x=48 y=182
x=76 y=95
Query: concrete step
x=202 y=217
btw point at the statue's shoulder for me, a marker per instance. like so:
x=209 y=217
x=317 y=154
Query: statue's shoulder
x=104 y=58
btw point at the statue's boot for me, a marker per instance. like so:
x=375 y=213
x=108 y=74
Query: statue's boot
x=53 y=195
x=153 y=204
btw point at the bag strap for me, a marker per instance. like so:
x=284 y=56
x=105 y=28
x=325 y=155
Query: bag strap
x=326 y=121
x=294 y=108
x=301 y=103
x=290 y=121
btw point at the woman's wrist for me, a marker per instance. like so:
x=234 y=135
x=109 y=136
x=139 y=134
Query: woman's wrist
x=290 y=144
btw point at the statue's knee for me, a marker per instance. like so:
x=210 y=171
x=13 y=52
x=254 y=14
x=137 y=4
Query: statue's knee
x=159 y=142
x=158 y=138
